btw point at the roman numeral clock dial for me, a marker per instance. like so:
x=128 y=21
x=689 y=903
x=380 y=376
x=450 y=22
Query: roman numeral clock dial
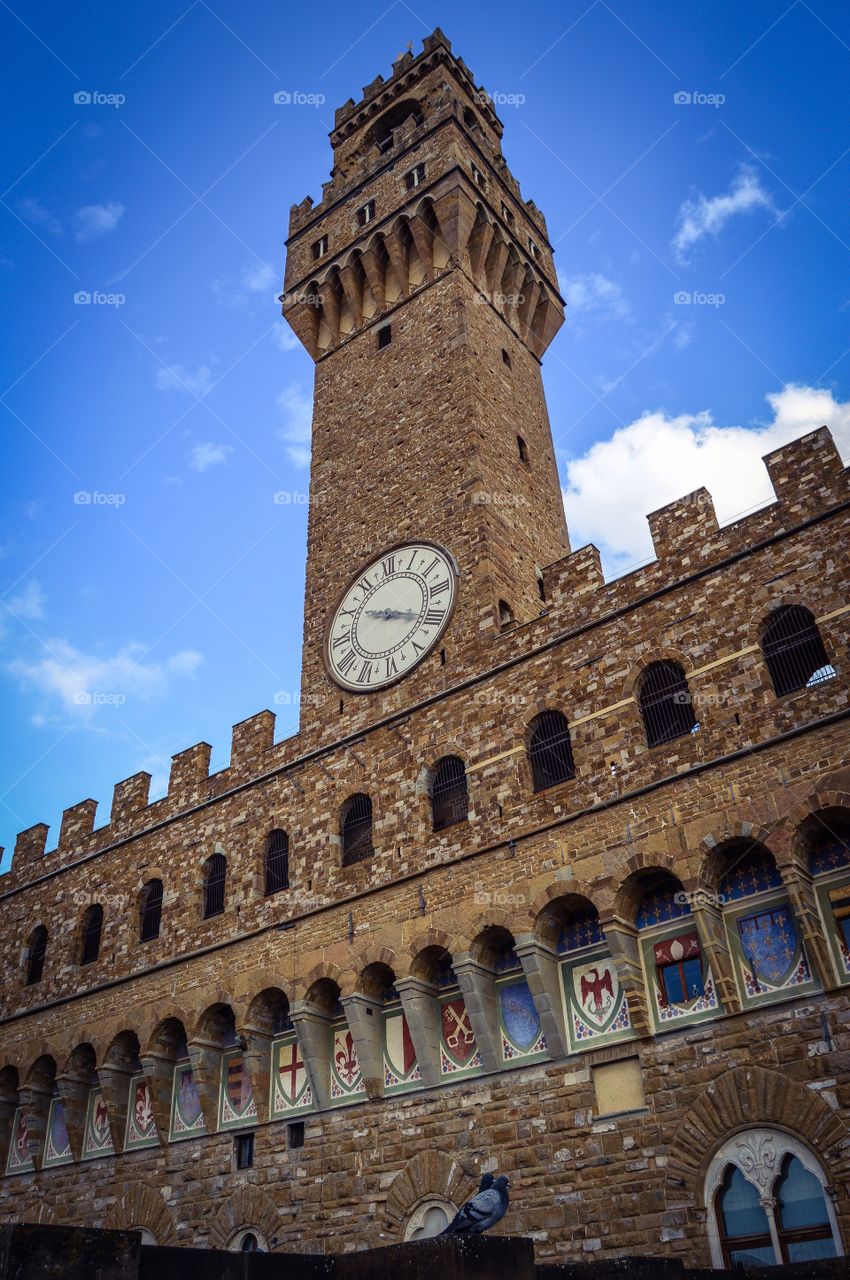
x=391 y=616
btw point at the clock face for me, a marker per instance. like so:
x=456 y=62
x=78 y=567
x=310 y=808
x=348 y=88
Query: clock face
x=391 y=616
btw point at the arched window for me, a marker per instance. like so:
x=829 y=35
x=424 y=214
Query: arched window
x=429 y=1218
x=356 y=829
x=277 y=861
x=215 y=875
x=550 y=751
x=249 y=1243
x=765 y=1174
x=665 y=703
x=793 y=650
x=151 y=911
x=744 y=1229
x=92 y=930
x=36 y=951
x=449 y=795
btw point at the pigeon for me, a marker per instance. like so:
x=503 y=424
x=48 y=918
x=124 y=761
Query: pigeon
x=485 y=1184
x=483 y=1211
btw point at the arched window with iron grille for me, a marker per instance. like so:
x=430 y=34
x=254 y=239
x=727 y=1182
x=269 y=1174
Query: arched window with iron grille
x=215 y=876
x=449 y=793
x=36 y=952
x=277 y=862
x=356 y=829
x=550 y=751
x=793 y=650
x=665 y=703
x=92 y=930
x=151 y=911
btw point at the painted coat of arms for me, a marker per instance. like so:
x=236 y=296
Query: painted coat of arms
x=521 y=1034
x=19 y=1159
x=596 y=989
x=291 y=1087
x=399 y=1054
x=596 y=1003
x=186 y=1115
x=345 y=1069
x=141 y=1126
x=772 y=949
x=98 y=1137
x=57 y=1148
x=458 y=1050
x=237 y=1101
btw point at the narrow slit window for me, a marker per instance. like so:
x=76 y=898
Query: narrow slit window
x=92 y=931
x=415 y=177
x=366 y=213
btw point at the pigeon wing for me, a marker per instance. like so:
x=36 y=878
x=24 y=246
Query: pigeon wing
x=484 y=1205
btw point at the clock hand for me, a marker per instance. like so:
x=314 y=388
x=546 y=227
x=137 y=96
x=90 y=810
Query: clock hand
x=390 y=615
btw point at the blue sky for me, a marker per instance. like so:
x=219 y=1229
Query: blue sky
x=690 y=157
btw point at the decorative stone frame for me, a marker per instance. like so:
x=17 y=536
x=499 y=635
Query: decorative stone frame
x=430 y=1177
x=759 y=1153
x=420 y=1210
x=234 y=1244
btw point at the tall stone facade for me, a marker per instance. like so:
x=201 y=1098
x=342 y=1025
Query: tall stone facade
x=570 y=899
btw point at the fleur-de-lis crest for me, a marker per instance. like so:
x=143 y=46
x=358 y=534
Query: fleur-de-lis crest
x=758 y=1159
x=346 y=1059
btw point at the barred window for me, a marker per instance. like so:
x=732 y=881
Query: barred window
x=665 y=703
x=36 y=952
x=449 y=794
x=356 y=825
x=277 y=862
x=550 y=751
x=151 y=916
x=92 y=930
x=793 y=650
x=215 y=875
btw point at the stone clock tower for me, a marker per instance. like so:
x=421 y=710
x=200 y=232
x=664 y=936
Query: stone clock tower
x=423 y=287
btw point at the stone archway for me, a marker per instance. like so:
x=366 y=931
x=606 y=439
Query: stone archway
x=141 y=1206
x=740 y=1099
x=249 y=1207
x=429 y=1175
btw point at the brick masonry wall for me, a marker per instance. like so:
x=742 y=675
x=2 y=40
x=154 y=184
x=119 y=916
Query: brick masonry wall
x=757 y=768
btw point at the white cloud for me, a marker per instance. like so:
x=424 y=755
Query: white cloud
x=297 y=408
x=207 y=455
x=34 y=212
x=259 y=277
x=709 y=215
x=240 y=292
x=176 y=377
x=593 y=295
x=284 y=338
x=95 y=220
x=29 y=603
x=83 y=682
x=658 y=458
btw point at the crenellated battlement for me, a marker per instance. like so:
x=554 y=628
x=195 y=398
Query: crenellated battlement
x=809 y=479
x=358 y=154
x=190 y=783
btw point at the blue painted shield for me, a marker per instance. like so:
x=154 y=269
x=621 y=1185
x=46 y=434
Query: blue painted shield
x=519 y=1015
x=769 y=943
x=59 y=1131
